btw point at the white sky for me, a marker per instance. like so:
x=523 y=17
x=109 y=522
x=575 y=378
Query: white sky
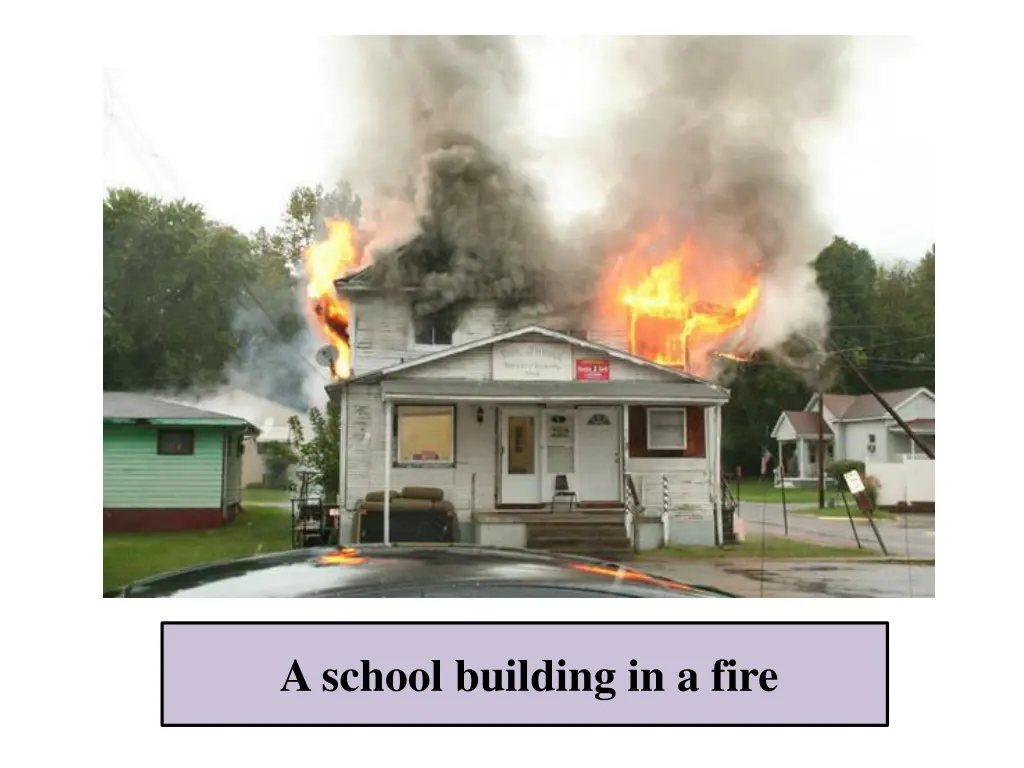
x=237 y=128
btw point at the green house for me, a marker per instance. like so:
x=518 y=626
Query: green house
x=167 y=466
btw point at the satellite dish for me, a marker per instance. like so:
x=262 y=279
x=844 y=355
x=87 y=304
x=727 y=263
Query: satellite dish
x=327 y=356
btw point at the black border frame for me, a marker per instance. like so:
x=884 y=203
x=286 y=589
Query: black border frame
x=165 y=724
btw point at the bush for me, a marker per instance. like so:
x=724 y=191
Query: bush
x=837 y=469
x=871 y=487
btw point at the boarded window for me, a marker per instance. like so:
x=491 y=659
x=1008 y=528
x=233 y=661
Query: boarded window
x=425 y=434
x=176 y=442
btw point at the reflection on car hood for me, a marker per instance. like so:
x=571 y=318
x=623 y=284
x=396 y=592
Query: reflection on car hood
x=415 y=570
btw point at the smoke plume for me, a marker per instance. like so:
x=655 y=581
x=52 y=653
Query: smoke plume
x=702 y=136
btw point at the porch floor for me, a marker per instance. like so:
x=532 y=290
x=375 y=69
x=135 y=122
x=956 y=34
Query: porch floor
x=577 y=516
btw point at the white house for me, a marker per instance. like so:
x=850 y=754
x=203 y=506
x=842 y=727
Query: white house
x=856 y=428
x=499 y=408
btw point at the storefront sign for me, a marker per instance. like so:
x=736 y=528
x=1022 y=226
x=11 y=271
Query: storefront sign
x=525 y=361
x=593 y=370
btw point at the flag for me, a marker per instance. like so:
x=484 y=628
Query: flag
x=766 y=456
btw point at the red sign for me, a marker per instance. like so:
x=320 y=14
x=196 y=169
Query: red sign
x=593 y=370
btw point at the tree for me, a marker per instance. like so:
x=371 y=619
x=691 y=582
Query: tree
x=171 y=283
x=321 y=450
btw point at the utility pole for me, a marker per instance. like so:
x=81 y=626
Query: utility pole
x=881 y=401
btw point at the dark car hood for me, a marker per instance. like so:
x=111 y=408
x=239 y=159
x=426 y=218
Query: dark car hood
x=411 y=571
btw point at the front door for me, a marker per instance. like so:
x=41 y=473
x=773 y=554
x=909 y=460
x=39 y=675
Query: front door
x=520 y=456
x=599 y=462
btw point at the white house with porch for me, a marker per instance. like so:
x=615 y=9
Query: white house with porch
x=522 y=424
x=855 y=428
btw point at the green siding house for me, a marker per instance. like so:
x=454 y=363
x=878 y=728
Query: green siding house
x=169 y=467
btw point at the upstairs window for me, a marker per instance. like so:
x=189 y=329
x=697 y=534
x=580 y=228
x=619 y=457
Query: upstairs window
x=434 y=330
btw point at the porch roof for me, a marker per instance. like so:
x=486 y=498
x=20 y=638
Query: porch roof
x=467 y=390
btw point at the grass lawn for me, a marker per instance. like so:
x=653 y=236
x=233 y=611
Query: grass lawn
x=840 y=511
x=773 y=548
x=755 y=490
x=264 y=496
x=131 y=556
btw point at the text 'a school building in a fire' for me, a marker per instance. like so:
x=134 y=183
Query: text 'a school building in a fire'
x=515 y=414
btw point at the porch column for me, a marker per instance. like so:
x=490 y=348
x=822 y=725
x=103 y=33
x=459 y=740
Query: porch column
x=388 y=421
x=802 y=458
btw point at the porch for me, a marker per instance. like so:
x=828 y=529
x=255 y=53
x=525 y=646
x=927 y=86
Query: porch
x=796 y=437
x=539 y=440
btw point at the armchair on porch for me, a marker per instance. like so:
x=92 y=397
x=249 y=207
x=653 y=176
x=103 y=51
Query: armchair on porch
x=563 y=491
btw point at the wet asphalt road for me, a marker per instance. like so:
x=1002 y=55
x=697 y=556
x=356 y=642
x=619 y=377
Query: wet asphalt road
x=803 y=578
x=911 y=536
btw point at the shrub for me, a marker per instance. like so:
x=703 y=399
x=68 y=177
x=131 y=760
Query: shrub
x=871 y=487
x=837 y=469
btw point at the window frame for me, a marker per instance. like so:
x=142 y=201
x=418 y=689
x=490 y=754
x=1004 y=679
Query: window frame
x=162 y=433
x=651 y=446
x=430 y=322
x=396 y=448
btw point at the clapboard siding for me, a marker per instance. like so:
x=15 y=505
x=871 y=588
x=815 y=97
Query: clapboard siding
x=689 y=486
x=135 y=476
x=382 y=330
x=476 y=364
x=469 y=485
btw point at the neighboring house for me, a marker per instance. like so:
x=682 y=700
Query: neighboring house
x=496 y=407
x=271 y=417
x=168 y=466
x=856 y=428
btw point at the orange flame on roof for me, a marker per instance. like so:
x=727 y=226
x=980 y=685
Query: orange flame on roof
x=326 y=261
x=681 y=303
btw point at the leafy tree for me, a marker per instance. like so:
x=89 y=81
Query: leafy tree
x=321 y=450
x=170 y=282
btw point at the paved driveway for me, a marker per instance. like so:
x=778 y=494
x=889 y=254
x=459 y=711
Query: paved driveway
x=911 y=536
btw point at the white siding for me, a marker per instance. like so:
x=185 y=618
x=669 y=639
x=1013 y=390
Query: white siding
x=688 y=484
x=476 y=364
x=470 y=484
x=921 y=407
x=382 y=330
x=856 y=440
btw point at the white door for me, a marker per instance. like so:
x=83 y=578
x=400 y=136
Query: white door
x=520 y=455
x=558 y=449
x=599 y=467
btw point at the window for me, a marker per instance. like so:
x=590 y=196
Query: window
x=666 y=429
x=175 y=442
x=425 y=434
x=433 y=330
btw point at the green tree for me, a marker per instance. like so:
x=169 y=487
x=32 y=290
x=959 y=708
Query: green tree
x=320 y=450
x=170 y=282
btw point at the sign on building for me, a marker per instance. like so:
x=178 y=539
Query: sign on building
x=592 y=370
x=529 y=361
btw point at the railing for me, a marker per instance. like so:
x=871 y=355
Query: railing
x=633 y=508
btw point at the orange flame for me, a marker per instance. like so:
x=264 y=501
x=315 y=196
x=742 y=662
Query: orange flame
x=680 y=303
x=325 y=262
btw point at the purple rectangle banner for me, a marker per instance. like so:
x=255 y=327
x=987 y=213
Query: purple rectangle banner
x=533 y=673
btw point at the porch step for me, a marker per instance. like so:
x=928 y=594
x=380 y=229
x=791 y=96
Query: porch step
x=606 y=540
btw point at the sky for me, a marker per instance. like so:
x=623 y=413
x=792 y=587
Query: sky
x=237 y=128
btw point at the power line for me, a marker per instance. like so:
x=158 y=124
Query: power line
x=244 y=284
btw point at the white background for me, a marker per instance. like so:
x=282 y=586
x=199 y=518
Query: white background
x=82 y=677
